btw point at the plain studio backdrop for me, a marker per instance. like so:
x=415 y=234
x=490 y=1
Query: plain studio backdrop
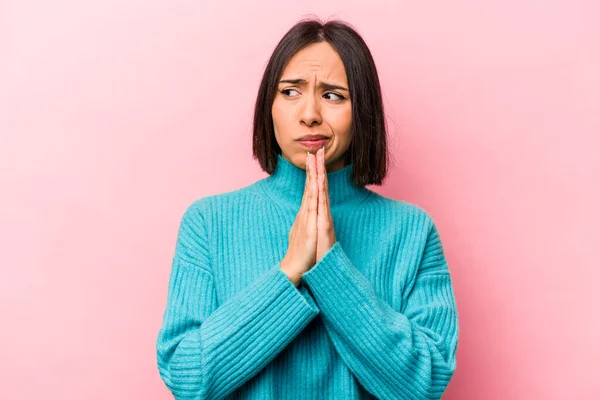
x=116 y=115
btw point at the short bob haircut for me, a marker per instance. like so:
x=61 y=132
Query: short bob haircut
x=368 y=144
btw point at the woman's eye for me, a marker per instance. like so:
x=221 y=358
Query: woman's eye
x=286 y=91
x=340 y=97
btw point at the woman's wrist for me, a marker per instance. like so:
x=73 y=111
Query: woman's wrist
x=293 y=277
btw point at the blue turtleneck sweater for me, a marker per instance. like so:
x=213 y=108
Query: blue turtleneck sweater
x=375 y=317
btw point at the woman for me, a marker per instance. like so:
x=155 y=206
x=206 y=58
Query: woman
x=306 y=284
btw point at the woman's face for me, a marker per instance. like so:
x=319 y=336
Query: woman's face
x=309 y=108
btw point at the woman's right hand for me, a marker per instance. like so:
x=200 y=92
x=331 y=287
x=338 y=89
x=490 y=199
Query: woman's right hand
x=302 y=240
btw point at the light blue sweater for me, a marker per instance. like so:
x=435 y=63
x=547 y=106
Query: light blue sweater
x=375 y=317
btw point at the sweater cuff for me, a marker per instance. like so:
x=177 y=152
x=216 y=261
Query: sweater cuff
x=300 y=291
x=334 y=278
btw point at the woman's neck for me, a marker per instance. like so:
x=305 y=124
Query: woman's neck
x=286 y=185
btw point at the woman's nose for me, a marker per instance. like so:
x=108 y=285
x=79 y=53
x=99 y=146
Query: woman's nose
x=310 y=113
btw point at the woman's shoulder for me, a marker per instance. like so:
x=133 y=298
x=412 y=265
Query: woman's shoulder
x=215 y=202
x=400 y=208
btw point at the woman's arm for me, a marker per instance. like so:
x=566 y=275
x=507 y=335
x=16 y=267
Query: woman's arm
x=408 y=355
x=205 y=351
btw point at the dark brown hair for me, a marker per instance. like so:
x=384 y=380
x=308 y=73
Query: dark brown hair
x=368 y=145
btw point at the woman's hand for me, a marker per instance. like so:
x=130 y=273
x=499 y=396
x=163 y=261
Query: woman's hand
x=302 y=247
x=325 y=230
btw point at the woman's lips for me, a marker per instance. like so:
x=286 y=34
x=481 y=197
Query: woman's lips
x=313 y=144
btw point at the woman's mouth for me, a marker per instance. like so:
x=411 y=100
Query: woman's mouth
x=314 y=144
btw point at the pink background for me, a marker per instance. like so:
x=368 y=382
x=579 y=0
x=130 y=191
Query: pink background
x=116 y=115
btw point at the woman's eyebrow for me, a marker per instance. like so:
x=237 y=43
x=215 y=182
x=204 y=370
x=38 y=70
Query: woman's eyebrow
x=324 y=85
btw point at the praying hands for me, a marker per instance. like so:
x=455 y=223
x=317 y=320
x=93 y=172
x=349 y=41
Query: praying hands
x=312 y=233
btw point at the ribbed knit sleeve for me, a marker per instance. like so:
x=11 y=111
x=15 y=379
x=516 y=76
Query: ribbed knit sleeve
x=205 y=350
x=408 y=355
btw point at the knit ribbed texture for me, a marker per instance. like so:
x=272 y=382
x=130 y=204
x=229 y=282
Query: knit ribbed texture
x=374 y=318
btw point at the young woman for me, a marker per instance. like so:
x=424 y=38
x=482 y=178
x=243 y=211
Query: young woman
x=306 y=284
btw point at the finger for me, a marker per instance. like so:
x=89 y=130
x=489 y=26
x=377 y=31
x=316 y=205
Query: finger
x=312 y=211
x=309 y=194
x=321 y=179
x=325 y=182
x=306 y=194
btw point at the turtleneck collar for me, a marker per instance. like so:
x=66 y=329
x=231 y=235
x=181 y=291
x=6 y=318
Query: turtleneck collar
x=286 y=185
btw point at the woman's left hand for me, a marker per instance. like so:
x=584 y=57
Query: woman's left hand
x=325 y=230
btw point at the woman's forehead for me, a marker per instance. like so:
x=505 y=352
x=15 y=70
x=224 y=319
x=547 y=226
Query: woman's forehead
x=317 y=60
